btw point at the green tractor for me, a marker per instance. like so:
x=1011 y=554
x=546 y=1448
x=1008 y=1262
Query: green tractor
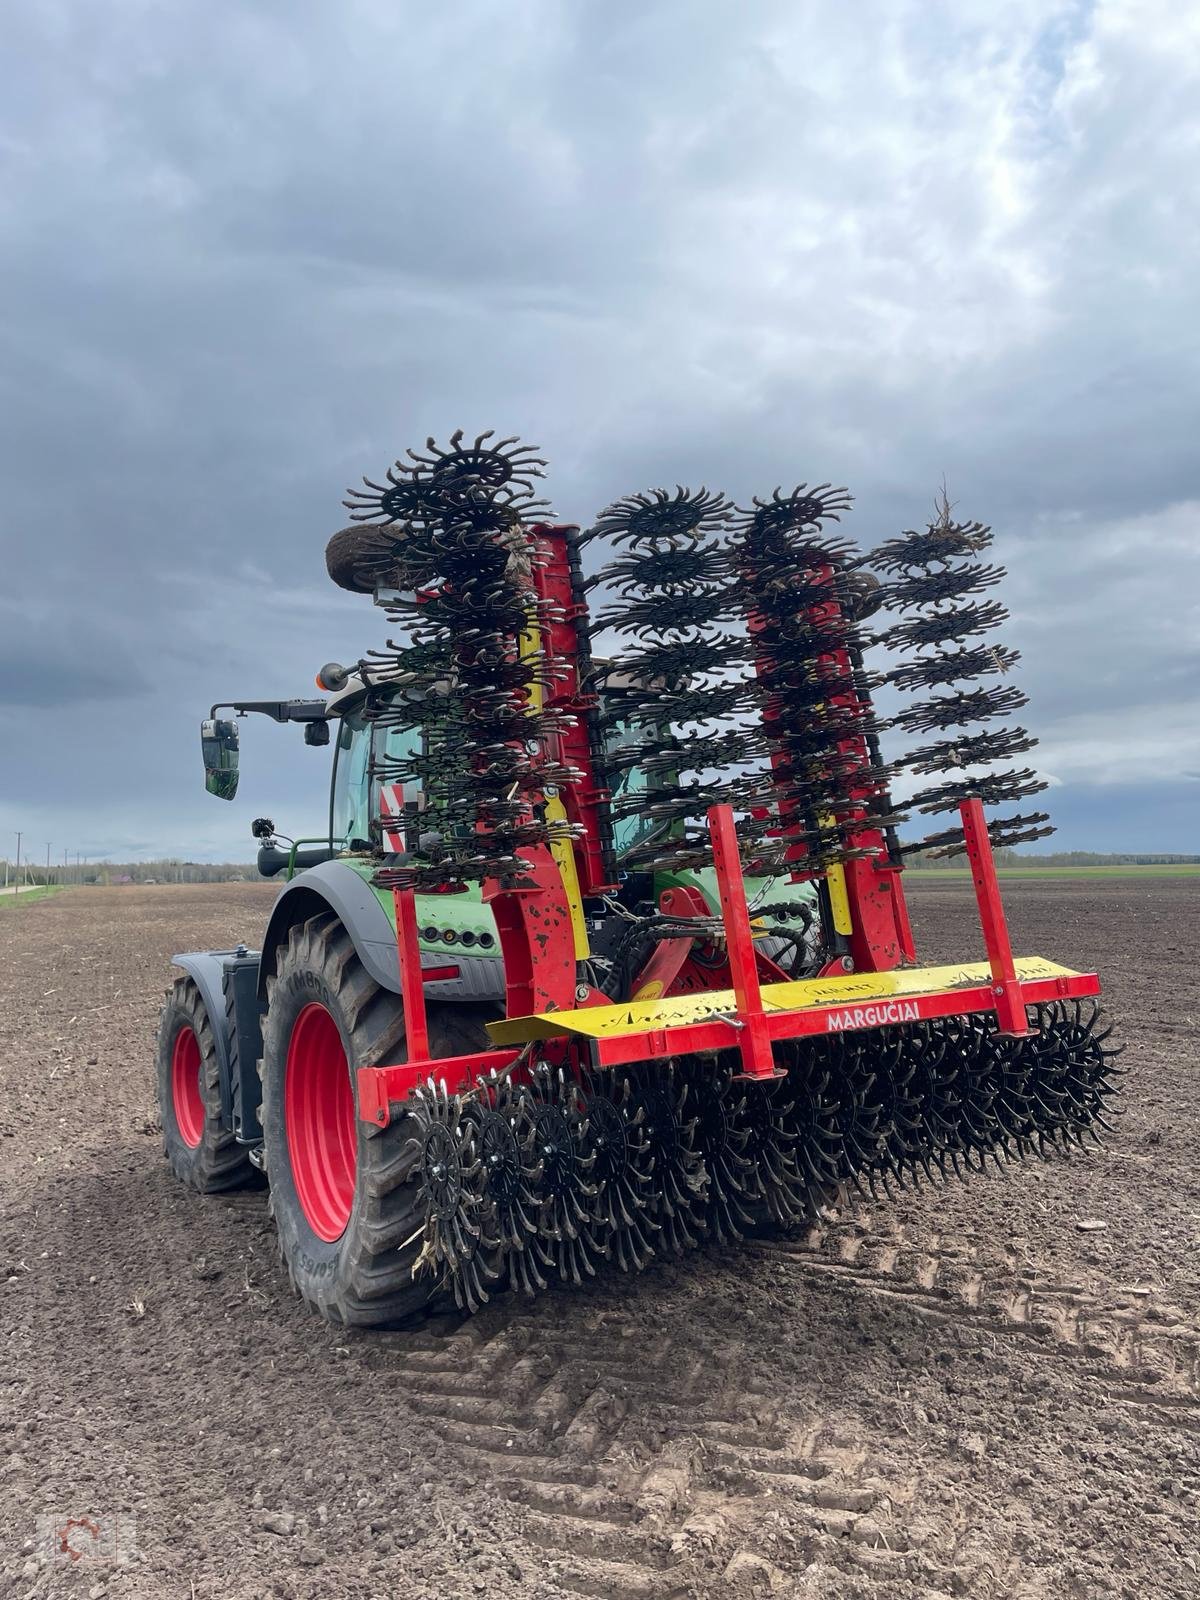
x=243 y=1029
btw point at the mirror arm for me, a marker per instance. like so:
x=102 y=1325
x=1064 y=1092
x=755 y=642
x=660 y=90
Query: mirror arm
x=277 y=710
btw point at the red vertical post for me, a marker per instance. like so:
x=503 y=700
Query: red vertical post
x=1006 y=986
x=412 y=985
x=753 y=1042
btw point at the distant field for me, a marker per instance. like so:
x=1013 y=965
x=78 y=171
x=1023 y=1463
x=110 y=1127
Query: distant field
x=26 y=896
x=935 y=874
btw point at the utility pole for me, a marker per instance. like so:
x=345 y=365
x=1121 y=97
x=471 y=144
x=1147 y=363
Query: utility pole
x=17 y=874
x=47 y=866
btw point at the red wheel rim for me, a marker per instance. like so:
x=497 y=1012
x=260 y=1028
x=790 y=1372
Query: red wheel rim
x=185 y=1087
x=322 y=1133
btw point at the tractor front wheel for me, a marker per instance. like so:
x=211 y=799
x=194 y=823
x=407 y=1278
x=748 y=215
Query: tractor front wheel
x=203 y=1154
x=346 y=1199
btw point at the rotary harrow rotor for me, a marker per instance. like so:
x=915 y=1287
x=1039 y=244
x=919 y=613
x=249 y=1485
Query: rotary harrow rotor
x=573 y=1177
x=683 y=1059
x=931 y=581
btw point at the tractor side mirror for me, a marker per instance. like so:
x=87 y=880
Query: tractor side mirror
x=219 y=747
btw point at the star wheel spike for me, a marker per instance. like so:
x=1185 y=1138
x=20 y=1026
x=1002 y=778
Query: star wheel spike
x=1073 y=1077
x=622 y=1171
x=501 y=1116
x=932 y=585
x=450 y=1179
x=862 y=1067
x=463 y=482
x=781 y=1186
x=679 y=1184
x=792 y=515
x=657 y=519
x=810 y=1132
x=722 y=1140
x=402 y=499
x=503 y=465
x=564 y=1190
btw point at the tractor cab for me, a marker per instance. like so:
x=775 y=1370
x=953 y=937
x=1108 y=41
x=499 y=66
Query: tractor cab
x=369 y=739
x=367 y=745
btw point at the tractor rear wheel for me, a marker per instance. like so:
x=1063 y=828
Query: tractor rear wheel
x=346 y=1199
x=203 y=1154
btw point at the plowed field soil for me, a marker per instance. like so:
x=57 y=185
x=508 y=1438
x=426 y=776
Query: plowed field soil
x=962 y=1392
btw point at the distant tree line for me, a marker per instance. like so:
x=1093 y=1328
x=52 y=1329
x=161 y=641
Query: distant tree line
x=118 y=873
x=173 y=870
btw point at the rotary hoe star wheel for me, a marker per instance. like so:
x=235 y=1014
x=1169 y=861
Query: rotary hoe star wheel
x=451 y=1187
x=722 y=1139
x=565 y=1243
x=622 y=1171
x=1072 y=1077
x=782 y=1186
x=680 y=1182
x=811 y=1122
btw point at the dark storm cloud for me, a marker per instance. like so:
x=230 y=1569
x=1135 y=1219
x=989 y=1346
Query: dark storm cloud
x=45 y=664
x=250 y=255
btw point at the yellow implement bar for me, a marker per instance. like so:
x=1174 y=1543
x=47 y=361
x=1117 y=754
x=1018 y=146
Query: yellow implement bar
x=835 y=882
x=564 y=860
x=560 y=849
x=839 y=900
x=638 y=1016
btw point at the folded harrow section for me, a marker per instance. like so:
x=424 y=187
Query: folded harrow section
x=632 y=1108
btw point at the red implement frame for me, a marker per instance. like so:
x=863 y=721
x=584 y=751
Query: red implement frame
x=1006 y=986
x=881 y=937
x=749 y=1028
x=754 y=1042
x=412 y=983
x=566 y=649
x=752 y=1030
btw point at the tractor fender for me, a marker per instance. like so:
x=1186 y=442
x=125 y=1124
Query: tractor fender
x=206 y=968
x=333 y=886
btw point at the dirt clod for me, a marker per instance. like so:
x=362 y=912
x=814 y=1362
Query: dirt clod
x=280 y=1522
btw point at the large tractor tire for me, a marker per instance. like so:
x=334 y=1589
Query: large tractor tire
x=202 y=1153
x=346 y=1199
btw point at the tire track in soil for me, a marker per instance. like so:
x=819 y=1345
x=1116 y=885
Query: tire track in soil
x=1150 y=1353
x=629 y=1468
x=638 y=1477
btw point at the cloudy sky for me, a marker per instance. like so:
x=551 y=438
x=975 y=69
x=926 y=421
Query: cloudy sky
x=252 y=251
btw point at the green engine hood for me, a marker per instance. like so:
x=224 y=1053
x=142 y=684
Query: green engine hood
x=454 y=913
